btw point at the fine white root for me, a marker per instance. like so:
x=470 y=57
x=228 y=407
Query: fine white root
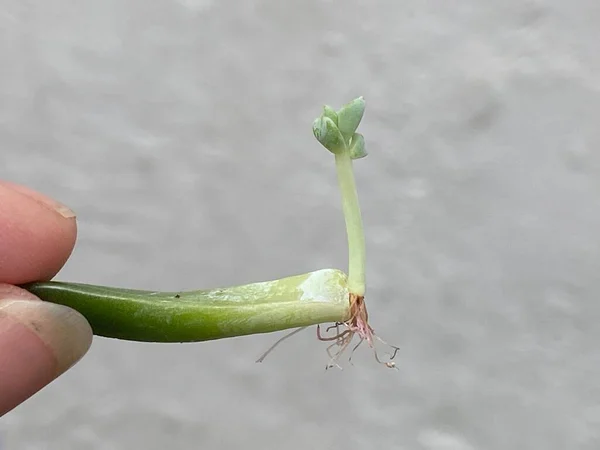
x=279 y=341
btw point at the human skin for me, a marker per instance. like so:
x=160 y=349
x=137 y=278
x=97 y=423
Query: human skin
x=39 y=341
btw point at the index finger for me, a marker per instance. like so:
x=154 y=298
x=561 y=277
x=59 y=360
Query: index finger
x=37 y=235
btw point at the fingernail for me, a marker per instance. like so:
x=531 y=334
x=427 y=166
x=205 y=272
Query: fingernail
x=60 y=208
x=64 y=332
x=8 y=291
x=48 y=202
x=63 y=210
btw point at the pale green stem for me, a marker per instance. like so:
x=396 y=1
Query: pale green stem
x=354 y=226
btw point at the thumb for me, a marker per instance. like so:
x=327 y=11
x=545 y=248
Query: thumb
x=38 y=342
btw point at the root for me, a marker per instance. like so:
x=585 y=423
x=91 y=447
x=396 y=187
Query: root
x=279 y=341
x=357 y=324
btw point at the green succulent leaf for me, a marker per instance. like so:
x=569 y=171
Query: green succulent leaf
x=349 y=117
x=357 y=146
x=328 y=134
x=328 y=111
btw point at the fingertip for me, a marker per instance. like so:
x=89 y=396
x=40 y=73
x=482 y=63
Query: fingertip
x=38 y=342
x=47 y=202
x=64 y=331
x=37 y=235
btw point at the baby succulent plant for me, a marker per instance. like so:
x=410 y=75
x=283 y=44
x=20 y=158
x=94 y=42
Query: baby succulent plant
x=315 y=298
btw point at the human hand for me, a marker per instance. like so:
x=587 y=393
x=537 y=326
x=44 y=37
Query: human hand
x=38 y=340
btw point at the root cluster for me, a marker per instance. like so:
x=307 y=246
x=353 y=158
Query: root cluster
x=356 y=325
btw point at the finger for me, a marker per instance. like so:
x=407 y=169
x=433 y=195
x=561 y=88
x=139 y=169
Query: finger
x=37 y=235
x=38 y=342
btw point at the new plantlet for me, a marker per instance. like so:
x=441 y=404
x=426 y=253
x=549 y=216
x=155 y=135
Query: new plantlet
x=336 y=131
x=299 y=301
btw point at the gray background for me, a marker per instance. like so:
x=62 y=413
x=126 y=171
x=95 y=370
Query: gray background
x=180 y=134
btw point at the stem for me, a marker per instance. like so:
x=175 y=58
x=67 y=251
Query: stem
x=354 y=226
x=297 y=301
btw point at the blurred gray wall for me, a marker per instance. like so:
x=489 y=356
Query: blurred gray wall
x=179 y=131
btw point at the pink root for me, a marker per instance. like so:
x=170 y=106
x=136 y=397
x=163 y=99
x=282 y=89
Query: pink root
x=357 y=324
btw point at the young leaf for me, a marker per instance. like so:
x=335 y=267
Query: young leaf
x=328 y=134
x=349 y=116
